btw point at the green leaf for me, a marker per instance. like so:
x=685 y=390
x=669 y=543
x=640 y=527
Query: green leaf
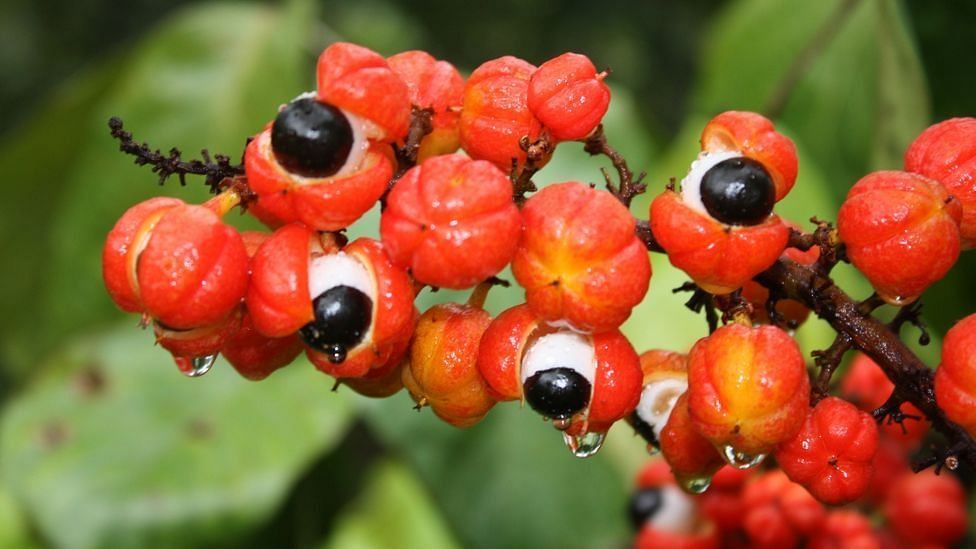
x=114 y=448
x=207 y=77
x=508 y=481
x=13 y=531
x=394 y=510
x=859 y=99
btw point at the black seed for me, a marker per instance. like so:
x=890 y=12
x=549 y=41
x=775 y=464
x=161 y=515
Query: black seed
x=643 y=506
x=557 y=393
x=342 y=317
x=643 y=428
x=311 y=138
x=738 y=191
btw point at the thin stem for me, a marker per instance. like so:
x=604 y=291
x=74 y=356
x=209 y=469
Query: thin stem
x=628 y=185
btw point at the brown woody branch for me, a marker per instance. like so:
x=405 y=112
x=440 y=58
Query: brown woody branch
x=628 y=185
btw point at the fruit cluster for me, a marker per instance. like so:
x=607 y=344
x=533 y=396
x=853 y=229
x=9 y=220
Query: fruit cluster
x=385 y=132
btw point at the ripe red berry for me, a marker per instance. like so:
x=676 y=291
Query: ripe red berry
x=779 y=513
x=381 y=382
x=360 y=81
x=436 y=85
x=568 y=96
x=723 y=502
x=442 y=372
x=867 y=386
x=946 y=152
x=584 y=382
x=579 y=259
x=352 y=307
x=177 y=263
x=926 y=509
x=845 y=529
x=748 y=390
x=451 y=221
x=692 y=457
x=831 y=456
x=664 y=516
x=955 y=379
x=901 y=231
x=495 y=115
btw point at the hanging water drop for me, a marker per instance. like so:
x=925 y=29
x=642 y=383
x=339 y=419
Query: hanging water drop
x=584 y=446
x=561 y=423
x=653 y=449
x=196 y=366
x=741 y=460
x=695 y=485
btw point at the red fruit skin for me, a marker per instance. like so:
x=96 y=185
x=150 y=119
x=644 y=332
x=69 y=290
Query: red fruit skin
x=747 y=388
x=901 y=231
x=278 y=299
x=866 y=385
x=451 y=222
x=183 y=266
x=690 y=455
x=655 y=538
x=442 y=371
x=889 y=463
x=927 y=509
x=198 y=342
x=393 y=319
x=119 y=255
x=832 y=454
x=755 y=136
x=360 y=81
x=616 y=387
x=791 y=310
x=722 y=502
x=946 y=152
x=955 y=379
x=495 y=113
x=661 y=363
x=579 y=259
x=568 y=96
x=381 y=382
x=436 y=85
x=325 y=204
x=655 y=472
x=501 y=348
x=719 y=258
x=845 y=529
x=256 y=356
x=778 y=512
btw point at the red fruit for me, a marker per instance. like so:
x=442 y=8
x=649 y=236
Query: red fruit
x=359 y=80
x=323 y=203
x=675 y=520
x=692 y=457
x=495 y=114
x=748 y=389
x=665 y=379
x=296 y=263
x=382 y=382
x=443 y=371
x=845 y=529
x=779 y=513
x=792 y=311
x=955 y=379
x=720 y=258
x=866 y=385
x=256 y=356
x=436 y=85
x=832 y=455
x=927 y=509
x=723 y=503
x=177 y=263
x=901 y=231
x=517 y=345
x=755 y=137
x=651 y=537
x=946 y=152
x=451 y=221
x=568 y=96
x=579 y=259
x=889 y=463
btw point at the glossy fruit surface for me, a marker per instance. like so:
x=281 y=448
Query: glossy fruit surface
x=436 y=85
x=754 y=136
x=955 y=380
x=568 y=96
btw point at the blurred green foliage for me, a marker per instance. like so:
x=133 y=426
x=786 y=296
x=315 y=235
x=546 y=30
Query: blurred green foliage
x=103 y=444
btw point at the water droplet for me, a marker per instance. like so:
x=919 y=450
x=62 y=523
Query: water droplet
x=653 y=449
x=584 y=446
x=562 y=423
x=196 y=366
x=741 y=460
x=695 y=485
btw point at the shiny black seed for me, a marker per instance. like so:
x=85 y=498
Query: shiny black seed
x=342 y=317
x=310 y=138
x=738 y=191
x=643 y=428
x=557 y=393
x=643 y=505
